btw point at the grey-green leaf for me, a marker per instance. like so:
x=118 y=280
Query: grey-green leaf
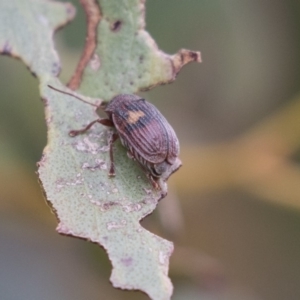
x=89 y=204
x=128 y=59
x=74 y=171
x=26 y=31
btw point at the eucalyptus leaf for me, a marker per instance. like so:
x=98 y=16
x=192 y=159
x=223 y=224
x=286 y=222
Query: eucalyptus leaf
x=90 y=205
x=26 y=32
x=74 y=170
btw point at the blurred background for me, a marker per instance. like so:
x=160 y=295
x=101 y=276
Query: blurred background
x=233 y=210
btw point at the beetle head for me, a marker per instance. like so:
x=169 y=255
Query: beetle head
x=169 y=169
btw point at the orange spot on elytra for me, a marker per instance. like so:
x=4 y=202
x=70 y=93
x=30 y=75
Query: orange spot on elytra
x=134 y=116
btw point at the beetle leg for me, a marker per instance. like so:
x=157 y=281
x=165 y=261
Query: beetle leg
x=154 y=182
x=130 y=155
x=159 y=185
x=112 y=163
x=105 y=122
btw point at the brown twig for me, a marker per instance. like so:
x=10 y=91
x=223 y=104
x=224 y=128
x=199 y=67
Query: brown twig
x=93 y=15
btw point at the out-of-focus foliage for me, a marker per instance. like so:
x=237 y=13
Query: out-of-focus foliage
x=250 y=70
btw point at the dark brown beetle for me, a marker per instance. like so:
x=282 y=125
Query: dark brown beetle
x=144 y=132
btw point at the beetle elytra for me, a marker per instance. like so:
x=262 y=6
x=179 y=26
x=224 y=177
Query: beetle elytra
x=144 y=132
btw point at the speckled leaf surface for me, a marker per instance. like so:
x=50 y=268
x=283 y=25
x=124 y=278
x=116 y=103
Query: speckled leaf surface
x=26 y=30
x=127 y=59
x=74 y=171
x=89 y=204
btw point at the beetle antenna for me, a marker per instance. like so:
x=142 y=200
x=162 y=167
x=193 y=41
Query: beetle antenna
x=70 y=94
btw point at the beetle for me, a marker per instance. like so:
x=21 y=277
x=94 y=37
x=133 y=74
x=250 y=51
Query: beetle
x=144 y=132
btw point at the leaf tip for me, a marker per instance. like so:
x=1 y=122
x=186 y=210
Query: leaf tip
x=183 y=57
